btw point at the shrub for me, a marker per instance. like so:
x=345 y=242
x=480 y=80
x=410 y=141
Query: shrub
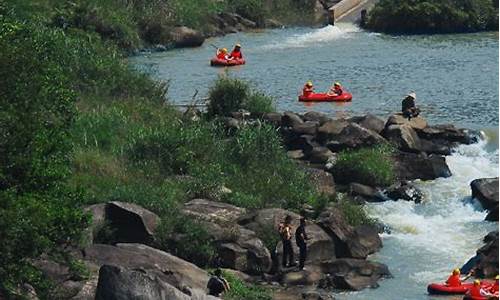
x=259 y=103
x=240 y=290
x=250 y=9
x=354 y=213
x=370 y=166
x=433 y=16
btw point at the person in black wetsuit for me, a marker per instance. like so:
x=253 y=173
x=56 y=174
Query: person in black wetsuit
x=300 y=239
x=408 y=107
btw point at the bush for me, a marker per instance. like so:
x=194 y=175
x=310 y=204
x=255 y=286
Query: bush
x=229 y=95
x=240 y=290
x=354 y=213
x=370 y=166
x=433 y=16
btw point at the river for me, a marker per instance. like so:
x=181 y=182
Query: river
x=456 y=81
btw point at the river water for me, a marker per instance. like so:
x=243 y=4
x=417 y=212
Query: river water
x=456 y=81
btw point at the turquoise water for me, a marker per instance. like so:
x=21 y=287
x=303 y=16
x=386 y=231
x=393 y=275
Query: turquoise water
x=456 y=81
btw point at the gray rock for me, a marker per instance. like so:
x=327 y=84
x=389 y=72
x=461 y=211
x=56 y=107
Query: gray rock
x=309 y=276
x=403 y=137
x=354 y=136
x=448 y=134
x=295 y=154
x=410 y=166
x=291 y=119
x=183 y=36
x=308 y=127
x=213 y=211
x=273 y=118
x=364 y=241
x=320 y=155
x=369 y=121
x=486 y=191
x=315 y=116
x=322 y=181
x=404 y=191
x=354 y=274
x=493 y=215
x=132 y=223
x=398 y=119
x=368 y=193
x=331 y=129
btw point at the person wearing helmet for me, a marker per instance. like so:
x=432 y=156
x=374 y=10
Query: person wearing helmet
x=494 y=288
x=476 y=291
x=308 y=89
x=408 y=107
x=236 y=53
x=222 y=53
x=335 y=90
x=454 y=279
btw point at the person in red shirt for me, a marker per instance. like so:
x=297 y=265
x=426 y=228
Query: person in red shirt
x=222 y=53
x=476 y=291
x=236 y=53
x=455 y=280
x=335 y=90
x=308 y=89
x=494 y=288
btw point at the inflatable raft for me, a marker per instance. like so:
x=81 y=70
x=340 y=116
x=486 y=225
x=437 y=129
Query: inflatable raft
x=444 y=289
x=226 y=63
x=468 y=297
x=345 y=97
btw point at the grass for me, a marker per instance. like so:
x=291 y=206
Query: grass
x=370 y=166
x=240 y=290
x=354 y=213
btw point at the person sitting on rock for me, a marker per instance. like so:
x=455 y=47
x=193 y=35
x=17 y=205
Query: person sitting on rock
x=335 y=90
x=408 y=107
x=285 y=230
x=217 y=284
x=455 y=279
x=236 y=53
x=222 y=54
x=300 y=239
x=308 y=89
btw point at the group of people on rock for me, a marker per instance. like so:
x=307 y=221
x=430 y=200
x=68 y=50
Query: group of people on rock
x=285 y=230
x=335 y=89
x=235 y=54
x=476 y=291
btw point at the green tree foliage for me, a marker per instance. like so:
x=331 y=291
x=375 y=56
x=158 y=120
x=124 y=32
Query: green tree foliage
x=433 y=16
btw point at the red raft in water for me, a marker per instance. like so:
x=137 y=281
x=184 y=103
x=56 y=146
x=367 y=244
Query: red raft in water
x=443 y=289
x=345 y=97
x=217 y=62
x=468 y=297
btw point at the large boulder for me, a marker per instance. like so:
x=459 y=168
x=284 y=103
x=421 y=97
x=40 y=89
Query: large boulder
x=493 y=215
x=404 y=191
x=410 y=166
x=291 y=119
x=310 y=276
x=304 y=142
x=213 y=211
x=179 y=273
x=353 y=274
x=398 y=119
x=487 y=265
x=486 y=191
x=354 y=136
x=131 y=223
x=363 y=193
x=320 y=155
x=308 y=127
x=448 y=134
x=369 y=121
x=349 y=242
x=320 y=246
x=322 y=181
x=273 y=118
x=315 y=116
x=403 y=137
x=183 y=36
x=331 y=129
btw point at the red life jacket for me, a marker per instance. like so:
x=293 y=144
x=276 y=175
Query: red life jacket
x=306 y=91
x=475 y=291
x=494 y=288
x=454 y=280
x=221 y=55
x=236 y=54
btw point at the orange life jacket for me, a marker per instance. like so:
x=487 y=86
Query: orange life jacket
x=454 y=280
x=221 y=55
x=475 y=291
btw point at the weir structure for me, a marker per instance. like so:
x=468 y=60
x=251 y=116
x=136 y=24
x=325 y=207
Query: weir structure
x=351 y=11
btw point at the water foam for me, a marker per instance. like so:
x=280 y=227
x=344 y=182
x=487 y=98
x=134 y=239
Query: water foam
x=322 y=35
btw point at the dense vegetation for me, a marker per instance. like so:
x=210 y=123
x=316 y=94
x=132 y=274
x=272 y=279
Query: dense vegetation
x=433 y=16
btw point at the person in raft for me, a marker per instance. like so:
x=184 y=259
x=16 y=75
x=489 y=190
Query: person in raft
x=494 y=288
x=408 y=107
x=222 y=54
x=455 y=279
x=308 y=89
x=335 y=90
x=236 y=53
x=476 y=291
x=285 y=230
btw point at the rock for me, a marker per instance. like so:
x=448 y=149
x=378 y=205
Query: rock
x=88 y=290
x=354 y=136
x=98 y=213
x=295 y=154
x=331 y=129
x=304 y=142
x=315 y=116
x=320 y=245
x=52 y=270
x=272 y=23
x=309 y=276
x=177 y=272
x=449 y=134
x=493 y=215
x=213 y=211
x=404 y=191
x=486 y=191
x=367 y=193
x=354 y=274
x=369 y=121
x=290 y=119
x=231 y=123
x=273 y=118
x=183 y=36
x=320 y=155
x=118 y=283
x=403 y=137
x=487 y=265
x=349 y=242
x=67 y=290
x=131 y=222
x=410 y=166
x=308 y=127
x=398 y=119
x=433 y=147
x=322 y=181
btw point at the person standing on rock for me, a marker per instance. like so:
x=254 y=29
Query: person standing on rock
x=408 y=107
x=217 y=284
x=285 y=230
x=300 y=239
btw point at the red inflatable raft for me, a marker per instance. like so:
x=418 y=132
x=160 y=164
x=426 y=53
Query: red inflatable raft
x=468 y=297
x=345 y=97
x=443 y=289
x=226 y=63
